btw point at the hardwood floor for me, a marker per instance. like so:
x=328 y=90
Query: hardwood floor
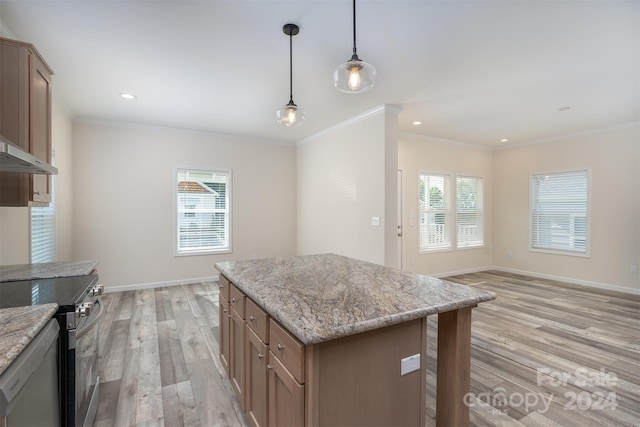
x=544 y=353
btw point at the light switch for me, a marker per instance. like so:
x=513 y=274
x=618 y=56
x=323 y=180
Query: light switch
x=410 y=364
x=375 y=220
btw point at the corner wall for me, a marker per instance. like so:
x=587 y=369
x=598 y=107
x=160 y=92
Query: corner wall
x=613 y=156
x=418 y=153
x=125 y=204
x=344 y=184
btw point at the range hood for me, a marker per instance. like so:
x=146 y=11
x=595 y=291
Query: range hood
x=14 y=159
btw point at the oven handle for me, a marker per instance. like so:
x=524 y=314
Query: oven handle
x=92 y=322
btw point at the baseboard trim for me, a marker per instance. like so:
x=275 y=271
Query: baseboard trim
x=459 y=272
x=586 y=283
x=153 y=285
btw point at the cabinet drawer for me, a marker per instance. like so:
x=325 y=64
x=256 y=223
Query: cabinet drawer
x=237 y=299
x=258 y=320
x=288 y=349
x=223 y=286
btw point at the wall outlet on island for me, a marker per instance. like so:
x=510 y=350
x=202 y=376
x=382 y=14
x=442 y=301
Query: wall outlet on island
x=410 y=364
x=633 y=269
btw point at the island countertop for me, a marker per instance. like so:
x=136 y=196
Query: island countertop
x=323 y=297
x=46 y=270
x=18 y=326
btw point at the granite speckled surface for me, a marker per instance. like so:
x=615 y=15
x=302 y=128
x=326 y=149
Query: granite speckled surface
x=323 y=297
x=18 y=326
x=46 y=270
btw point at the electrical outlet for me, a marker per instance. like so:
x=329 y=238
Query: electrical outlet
x=410 y=364
x=509 y=254
x=375 y=221
x=634 y=269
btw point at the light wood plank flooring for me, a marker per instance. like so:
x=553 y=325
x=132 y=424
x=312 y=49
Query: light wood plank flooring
x=544 y=353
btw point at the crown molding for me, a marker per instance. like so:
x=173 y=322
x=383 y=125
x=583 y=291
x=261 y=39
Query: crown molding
x=384 y=108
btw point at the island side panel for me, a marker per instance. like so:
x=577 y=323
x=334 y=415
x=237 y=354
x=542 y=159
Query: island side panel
x=357 y=381
x=454 y=367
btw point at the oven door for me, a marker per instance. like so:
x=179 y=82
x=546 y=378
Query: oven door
x=87 y=379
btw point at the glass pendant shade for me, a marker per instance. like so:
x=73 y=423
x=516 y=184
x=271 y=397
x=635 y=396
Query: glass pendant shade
x=290 y=115
x=354 y=76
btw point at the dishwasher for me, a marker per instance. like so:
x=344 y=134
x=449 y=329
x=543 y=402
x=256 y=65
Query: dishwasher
x=29 y=386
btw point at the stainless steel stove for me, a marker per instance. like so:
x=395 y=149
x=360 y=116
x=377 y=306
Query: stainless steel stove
x=78 y=315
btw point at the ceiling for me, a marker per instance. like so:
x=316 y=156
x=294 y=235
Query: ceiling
x=471 y=71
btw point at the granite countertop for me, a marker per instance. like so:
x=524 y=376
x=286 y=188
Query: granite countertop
x=323 y=297
x=18 y=326
x=46 y=270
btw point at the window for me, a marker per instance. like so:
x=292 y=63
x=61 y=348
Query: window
x=559 y=212
x=469 y=218
x=435 y=212
x=203 y=211
x=43 y=228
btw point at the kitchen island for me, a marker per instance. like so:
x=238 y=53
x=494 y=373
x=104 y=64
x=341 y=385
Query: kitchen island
x=329 y=340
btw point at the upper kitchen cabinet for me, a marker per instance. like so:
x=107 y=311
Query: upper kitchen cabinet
x=25 y=119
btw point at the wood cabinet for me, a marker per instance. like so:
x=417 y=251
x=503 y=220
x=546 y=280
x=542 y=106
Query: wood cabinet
x=355 y=380
x=286 y=396
x=25 y=119
x=286 y=378
x=269 y=384
x=257 y=385
x=223 y=325
x=237 y=345
x=224 y=341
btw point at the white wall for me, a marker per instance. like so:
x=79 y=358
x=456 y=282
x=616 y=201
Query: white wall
x=416 y=154
x=62 y=143
x=14 y=236
x=612 y=155
x=124 y=199
x=342 y=178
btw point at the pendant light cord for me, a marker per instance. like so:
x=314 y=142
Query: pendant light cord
x=355 y=54
x=290 y=69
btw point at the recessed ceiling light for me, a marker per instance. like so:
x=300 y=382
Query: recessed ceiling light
x=504 y=140
x=417 y=123
x=128 y=96
x=563 y=108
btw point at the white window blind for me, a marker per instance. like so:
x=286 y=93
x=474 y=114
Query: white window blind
x=435 y=212
x=469 y=217
x=43 y=228
x=559 y=212
x=203 y=211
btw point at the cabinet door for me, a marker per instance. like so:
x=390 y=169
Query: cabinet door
x=25 y=119
x=40 y=126
x=257 y=380
x=286 y=396
x=236 y=358
x=223 y=332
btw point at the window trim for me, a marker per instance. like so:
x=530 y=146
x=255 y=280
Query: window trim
x=587 y=253
x=176 y=231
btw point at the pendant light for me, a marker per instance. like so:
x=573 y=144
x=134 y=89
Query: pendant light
x=290 y=115
x=355 y=75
